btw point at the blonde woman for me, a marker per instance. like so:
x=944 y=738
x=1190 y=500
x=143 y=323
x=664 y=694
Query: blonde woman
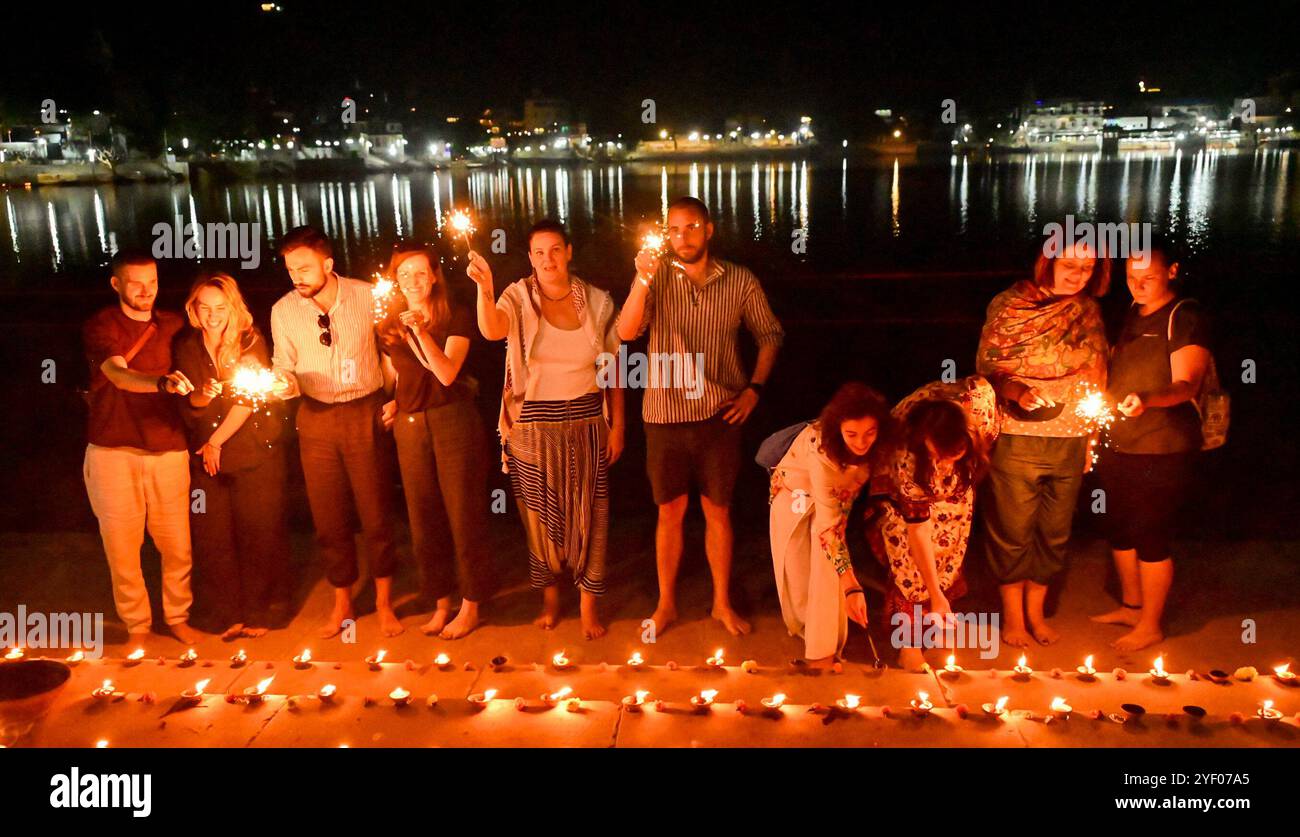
x=239 y=537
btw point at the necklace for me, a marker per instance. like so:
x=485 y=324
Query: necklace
x=556 y=298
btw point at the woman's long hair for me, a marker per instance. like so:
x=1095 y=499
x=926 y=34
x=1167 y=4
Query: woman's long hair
x=852 y=401
x=943 y=424
x=1049 y=251
x=237 y=337
x=391 y=329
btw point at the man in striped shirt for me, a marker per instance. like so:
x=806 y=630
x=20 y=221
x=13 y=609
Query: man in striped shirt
x=693 y=306
x=326 y=351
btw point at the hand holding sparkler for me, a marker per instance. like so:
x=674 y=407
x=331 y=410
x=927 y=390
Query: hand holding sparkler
x=412 y=319
x=212 y=389
x=481 y=273
x=647 y=258
x=1132 y=406
x=1031 y=398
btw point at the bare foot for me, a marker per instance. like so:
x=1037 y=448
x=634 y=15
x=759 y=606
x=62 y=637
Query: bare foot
x=911 y=659
x=235 y=631
x=466 y=620
x=254 y=632
x=591 y=627
x=663 y=616
x=550 y=615
x=334 y=625
x=731 y=620
x=1044 y=633
x=389 y=624
x=1137 y=639
x=436 y=623
x=1119 y=616
x=185 y=633
x=1016 y=637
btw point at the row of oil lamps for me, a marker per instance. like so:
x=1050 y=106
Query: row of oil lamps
x=559 y=661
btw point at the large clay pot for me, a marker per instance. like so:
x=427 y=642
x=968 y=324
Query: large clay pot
x=27 y=689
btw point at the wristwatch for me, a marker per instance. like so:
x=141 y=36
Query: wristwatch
x=162 y=383
x=756 y=386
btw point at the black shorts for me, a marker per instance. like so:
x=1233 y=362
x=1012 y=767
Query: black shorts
x=703 y=454
x=1144 y=493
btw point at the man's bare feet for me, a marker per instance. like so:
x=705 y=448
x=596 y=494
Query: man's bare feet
x=389 y=624
x=334 y=625
x=1044 y=632
x=911 y=659
x=466 y=620
x=1016 y=636
x=436 y=623
x=1119 y=616
x=185 y=633
x=1137 y=639
x=664 y=615
x=254 y=632
x=730 y=620
x=550 y=615
x=591 y=627
x=235 y=631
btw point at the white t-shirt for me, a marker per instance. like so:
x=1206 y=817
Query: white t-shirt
x=562 y=365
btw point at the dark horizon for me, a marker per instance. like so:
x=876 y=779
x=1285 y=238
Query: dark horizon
x=717 y=62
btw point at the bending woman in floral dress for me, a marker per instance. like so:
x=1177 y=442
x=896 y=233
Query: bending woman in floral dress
x=812 y=491
x=921 y=532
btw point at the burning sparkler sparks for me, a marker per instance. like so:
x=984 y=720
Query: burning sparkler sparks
x=382 y=293
x=461 y=224
x=254 y=385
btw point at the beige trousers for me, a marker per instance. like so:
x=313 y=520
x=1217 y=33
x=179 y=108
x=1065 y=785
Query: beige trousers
x=806 y=583
x=131 y=490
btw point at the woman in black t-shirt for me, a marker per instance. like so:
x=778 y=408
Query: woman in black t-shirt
x=1156 y=369
x=237 y=524
x=441 y=445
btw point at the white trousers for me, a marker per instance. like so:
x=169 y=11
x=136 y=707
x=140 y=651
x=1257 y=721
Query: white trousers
x=131 y=490
x=806 y=582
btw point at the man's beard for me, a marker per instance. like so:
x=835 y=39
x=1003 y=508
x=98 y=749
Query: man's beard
x=308 y=293
x=137 y=306
x=700 y=254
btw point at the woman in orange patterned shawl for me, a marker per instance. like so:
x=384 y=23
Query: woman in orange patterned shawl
x=1043 y=348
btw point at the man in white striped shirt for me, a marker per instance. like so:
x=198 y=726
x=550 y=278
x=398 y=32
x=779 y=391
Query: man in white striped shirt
x=693 y=306
x=326 y=351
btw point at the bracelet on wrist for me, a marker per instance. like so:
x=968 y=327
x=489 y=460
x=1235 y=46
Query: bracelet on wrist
x=853 y=590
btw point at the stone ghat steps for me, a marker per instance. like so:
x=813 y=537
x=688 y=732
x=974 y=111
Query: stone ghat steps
x=147 y=709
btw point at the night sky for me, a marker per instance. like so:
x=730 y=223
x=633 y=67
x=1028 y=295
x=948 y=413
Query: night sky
x=699 y=61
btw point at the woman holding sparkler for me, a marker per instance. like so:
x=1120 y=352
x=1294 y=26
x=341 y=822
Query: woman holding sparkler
x=239 y=535
x=1043 y=347
x=921 y=531
x=560 y=432
x=1156 y=371
x=441 y=446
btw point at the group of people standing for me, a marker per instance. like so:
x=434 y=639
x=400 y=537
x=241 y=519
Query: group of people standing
x=165 y=419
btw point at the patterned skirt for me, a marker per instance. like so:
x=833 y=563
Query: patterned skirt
x=560 y=476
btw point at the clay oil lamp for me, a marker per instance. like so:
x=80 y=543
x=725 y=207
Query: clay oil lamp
x=375 y=660
x=1158 y=674
x=634 y=702
x=1086 y=671
x=921 y=705
x=1022 y=669
x=996 y=710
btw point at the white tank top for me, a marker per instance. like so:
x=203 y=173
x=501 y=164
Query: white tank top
x=562 y=365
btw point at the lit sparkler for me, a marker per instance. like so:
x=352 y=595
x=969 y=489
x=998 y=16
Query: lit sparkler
x=461 y=224
x=1097 y=414
x=381 y=293
x=254 y=385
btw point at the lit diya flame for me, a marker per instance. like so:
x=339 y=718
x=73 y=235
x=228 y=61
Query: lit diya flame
x=481 y=699
x=197 y=691
x=253 y=384
x=555 y=697
x=951 y=666
x=304 y=658
x=704 y=698
x=76 y=656
x=105 y=690
x=922 y=704
x=1284 y=672
x=442 y=660
x=559 y=660
x=254 y=693
x=1022 y=666
x=17 y=654
x=1060 y=707
x=136 y=656
x=636 y=699
x=850 y=702
x=102 y=744
x=375 y=659
x=327 y=691
x=1158 y=669
x=1267 y=711
x=1086 y=669
x=239 y=658
x=189 y=656
x=635 y=659
x=400 y=696
x=999 y=708
x=716 y=660
x=775 y=701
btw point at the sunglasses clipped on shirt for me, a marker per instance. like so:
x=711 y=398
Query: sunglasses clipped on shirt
x=326 y=338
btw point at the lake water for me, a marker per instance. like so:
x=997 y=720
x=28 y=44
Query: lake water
x=901 y=258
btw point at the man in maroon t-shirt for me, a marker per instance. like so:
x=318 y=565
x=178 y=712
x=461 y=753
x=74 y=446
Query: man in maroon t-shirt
x=137 y=464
